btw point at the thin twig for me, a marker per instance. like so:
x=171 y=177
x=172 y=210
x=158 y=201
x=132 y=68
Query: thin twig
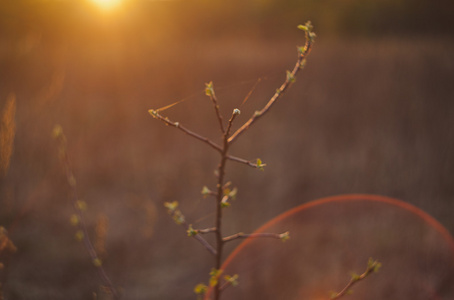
x=179 y=219
x=207 y=245
x=288 y=81
x=243 y=161
x=372 y=267
x=235 y=113
x=241 y=235
x=209 y=91
x=205 y=230
x=158 y=116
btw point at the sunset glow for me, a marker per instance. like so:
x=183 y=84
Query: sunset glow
x=106 y=4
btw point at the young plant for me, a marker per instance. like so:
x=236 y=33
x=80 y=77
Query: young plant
x=77 y=219
x=222 y=194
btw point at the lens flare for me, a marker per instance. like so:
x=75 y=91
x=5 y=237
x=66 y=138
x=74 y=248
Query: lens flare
x=334 y=236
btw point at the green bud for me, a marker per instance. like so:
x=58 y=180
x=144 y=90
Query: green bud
x=57 y=132
x=290 y=77
x=97 y=262
x=209 y=91
x=284 y=236
x=153 y=113
x=303 y=27
x=260 y=165
x=200 y=289
x=355 y=277
x=214 y=276
x=205 y=191
x=233 y=280
x=81 y=205
x=171 y=206
x=178 y=217
x=191 y=231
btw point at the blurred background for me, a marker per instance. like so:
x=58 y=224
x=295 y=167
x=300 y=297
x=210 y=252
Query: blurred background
x=372 y=112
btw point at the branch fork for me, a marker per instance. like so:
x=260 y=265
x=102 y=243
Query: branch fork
x=221 y=196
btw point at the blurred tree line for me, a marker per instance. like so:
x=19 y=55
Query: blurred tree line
x=60 y=19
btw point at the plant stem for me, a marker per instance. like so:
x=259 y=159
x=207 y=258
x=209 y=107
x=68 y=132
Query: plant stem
x=288 y=81
x=61 y=139
x=219 y=196
x=218 y=232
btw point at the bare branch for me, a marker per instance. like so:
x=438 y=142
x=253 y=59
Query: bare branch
x=209 y=91
x=206 y=230
x=243 y=161
x=207 y=245
x=155 y=114
x=240 y=235
x=180 y=220
x=303 y=53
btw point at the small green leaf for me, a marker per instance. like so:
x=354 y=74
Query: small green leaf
x=377 y=267
x=225 y=204
x=153 y=113
x=214 y=276
x=301 y=49
x=200 y=289
x=284 y=236
x=178 y=217
x=303 y=27
x=290 y=77
x=226 y=191
x=74 y=220
x=233 y=280
x=209 y=91
x=309 y=26
x=373 y=265
x=312 y=36
x=79 y=235
x=57 y=132
x=191 y=231
x=171 y=206
x=205 y=191
x=355 y=277
x=232 y=193
x=97 y=262
x=260 y=165
x=81 y=205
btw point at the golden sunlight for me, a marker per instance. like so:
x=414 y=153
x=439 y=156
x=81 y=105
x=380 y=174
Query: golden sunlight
x=106 y=4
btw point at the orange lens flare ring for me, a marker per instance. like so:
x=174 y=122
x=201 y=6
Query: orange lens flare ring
x=391 y=223
x=352 y=198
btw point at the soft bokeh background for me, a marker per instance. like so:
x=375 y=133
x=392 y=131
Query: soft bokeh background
x=372 y=112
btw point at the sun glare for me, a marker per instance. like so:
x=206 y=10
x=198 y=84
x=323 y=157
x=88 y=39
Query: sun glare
x=106 y=4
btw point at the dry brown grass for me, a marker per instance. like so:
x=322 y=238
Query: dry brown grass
x=368 y=116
